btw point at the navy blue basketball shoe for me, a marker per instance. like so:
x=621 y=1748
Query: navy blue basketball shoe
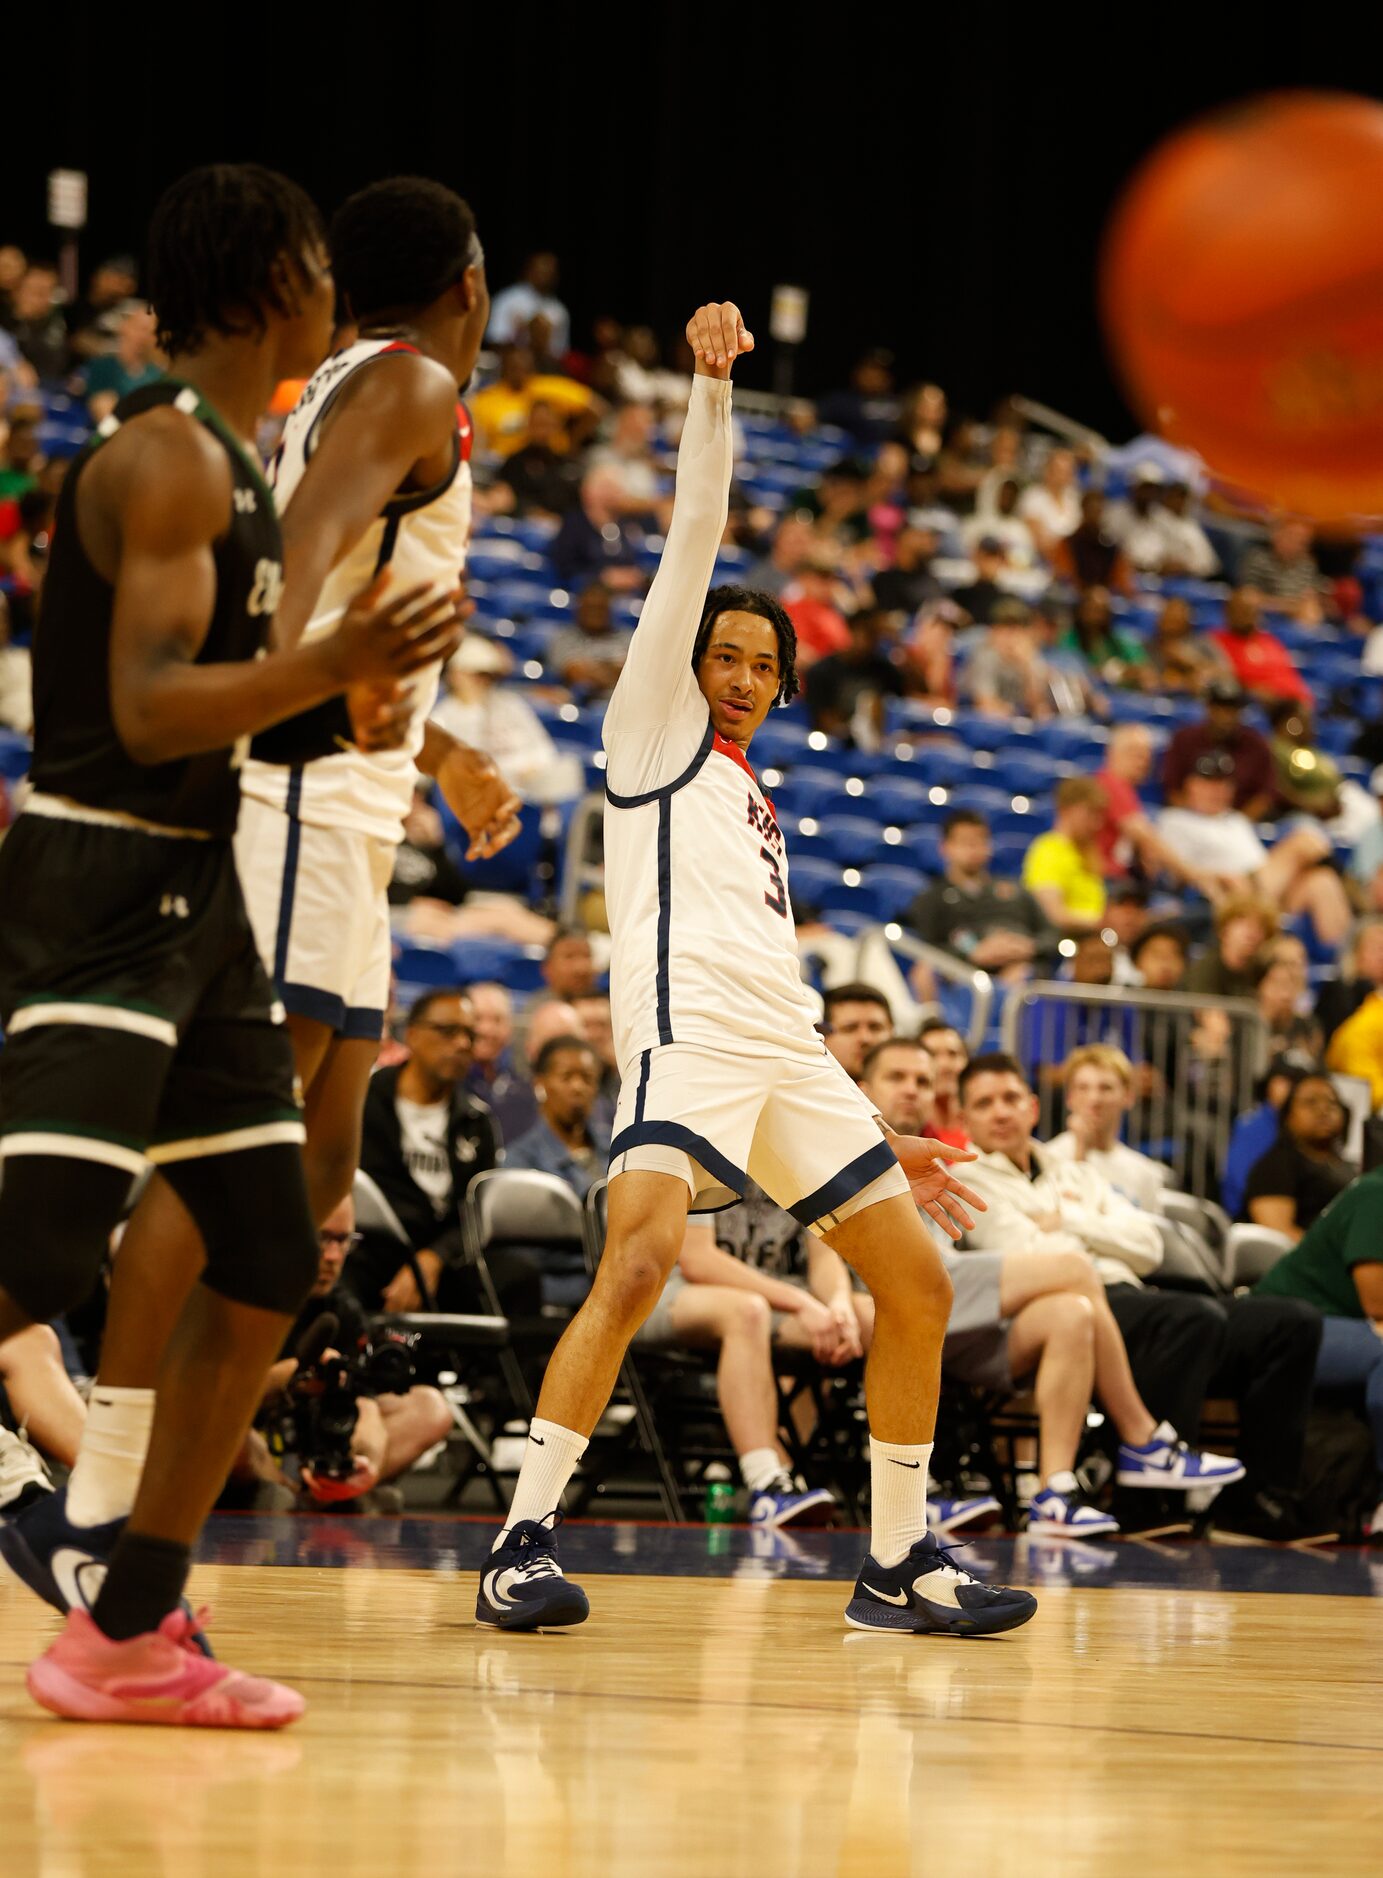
x=930 y=1592
x=521 y=1583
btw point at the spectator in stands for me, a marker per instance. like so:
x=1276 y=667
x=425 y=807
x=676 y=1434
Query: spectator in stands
x=1283 y=575
x=793 y=540
x=1310 y=782
x=494 y=1076
x=37 y=324
x=94 y=319
x=1159 y=956
x=1062 y=868
x=1294 y=1181
x=1186 y=546
x=1126 y=919
x=1182 y=660
x=1181 y=1346
x=1224 y=730
x=501 y=411
x=1002 y=523
x=597 y=1027
x=566 y=1140
x=1006 y=675
x=533 y=294
x=21 y=457
x=1132 y=519
x=922 y=426
x=1051 y=508
x=811 y=601
x=590 y=655
x=1219 y=842
x=1112 y=657
x=979 y=598
x=737 y=1298
x=855 y=1017
x=994 y=925
x=1090 y=556
x=1256 y=1131
x=1360 y=978
x=628 y=451
x=391 y=1432
x=1244 y=923
x=1100 y=1090
x=134 y=362
x=425 y=1139
x=846 y=691
x=596 y=539
x=946 y=1047
x=12 y=266
x=542 y=475
x=568 y=968
x=868 y=408
x=1015 y=1313
x=1127 y=837
x=16 y=678
x=927 y=655
x=1356 y=1049
x=908 y=583
x=479 y=702
x=430 y=892
x=1285 y=1008
x=1005 y=465
x=1260 y=662
x=1337 y=1268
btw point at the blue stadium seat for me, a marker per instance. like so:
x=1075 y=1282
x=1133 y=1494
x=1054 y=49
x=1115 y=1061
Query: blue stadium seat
x=1009 y=853
x=425 y=965
x=893 y=887
x=902 y=802
x=810 y=880
x=15 y=752
x=1025 y=774
x=849 y=840
x=778 y=745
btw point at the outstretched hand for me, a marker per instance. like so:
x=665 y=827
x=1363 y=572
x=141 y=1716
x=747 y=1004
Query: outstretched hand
x=717 y=335
x=935 y=1189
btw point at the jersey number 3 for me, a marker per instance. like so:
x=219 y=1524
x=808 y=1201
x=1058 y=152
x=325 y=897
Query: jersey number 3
x=778 y=899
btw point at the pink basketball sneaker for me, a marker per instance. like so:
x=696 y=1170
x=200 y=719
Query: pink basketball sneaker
x=159 y=1677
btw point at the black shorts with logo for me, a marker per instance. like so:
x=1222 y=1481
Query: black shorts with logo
x=139 y=1022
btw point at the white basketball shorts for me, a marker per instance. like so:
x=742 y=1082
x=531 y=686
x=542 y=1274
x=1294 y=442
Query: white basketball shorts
x=800 y=1130
x=318 y=899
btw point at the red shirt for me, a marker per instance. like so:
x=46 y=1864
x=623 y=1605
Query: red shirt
x=821 y=628
x=1123 y=802
x=953 y=1137
x=1262 y=663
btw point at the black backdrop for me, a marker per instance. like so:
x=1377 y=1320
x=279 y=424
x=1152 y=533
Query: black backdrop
x=938 y=187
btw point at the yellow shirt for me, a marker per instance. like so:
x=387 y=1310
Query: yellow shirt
x=1356 y=1049
x=1054 y=860
x=500 y=413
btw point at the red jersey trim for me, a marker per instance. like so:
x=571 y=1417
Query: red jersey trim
x=724 y=747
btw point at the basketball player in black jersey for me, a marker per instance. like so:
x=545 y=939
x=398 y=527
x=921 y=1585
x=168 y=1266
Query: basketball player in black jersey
x=138 y=1018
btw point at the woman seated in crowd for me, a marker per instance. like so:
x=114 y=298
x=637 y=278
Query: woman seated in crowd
x=1179 y=658
x=1113 y=657
x=1303 y=1171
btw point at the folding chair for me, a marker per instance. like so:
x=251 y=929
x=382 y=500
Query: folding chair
x=518 y=1208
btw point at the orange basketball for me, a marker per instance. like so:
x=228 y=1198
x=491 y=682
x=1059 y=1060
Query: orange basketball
x=1242 y=291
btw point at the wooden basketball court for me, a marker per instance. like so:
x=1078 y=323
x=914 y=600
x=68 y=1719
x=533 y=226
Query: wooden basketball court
x=728 y=1724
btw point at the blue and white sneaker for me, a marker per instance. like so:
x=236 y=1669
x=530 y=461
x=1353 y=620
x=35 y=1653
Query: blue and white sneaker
x=929 y=1592
x=24 y=1475
x=1171 y=1463
x=521 y=1583
x=63 y=1563
x=947 y=1516
x=1062 y=1508
x=788 y=1502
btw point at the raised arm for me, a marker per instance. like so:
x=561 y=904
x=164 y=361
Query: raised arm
x=657 y=715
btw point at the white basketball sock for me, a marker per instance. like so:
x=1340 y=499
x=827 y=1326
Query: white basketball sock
x=760 y=1466
x=105 y=1477
x=549 y=1461
x=897 y=1498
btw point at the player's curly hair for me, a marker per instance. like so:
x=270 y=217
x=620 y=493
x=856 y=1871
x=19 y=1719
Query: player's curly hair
x=749 y=600
x=218 y=239
x=399 y=244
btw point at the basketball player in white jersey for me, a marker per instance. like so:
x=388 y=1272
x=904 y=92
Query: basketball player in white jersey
x=724 y=1076
x=373 y=474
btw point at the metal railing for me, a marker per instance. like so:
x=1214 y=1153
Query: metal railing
x=876 y=963
x=1196 y=1060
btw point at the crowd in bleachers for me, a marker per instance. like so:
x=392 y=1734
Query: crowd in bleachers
x=1082 y=741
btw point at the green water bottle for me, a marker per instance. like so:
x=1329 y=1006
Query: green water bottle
x=720 y=1495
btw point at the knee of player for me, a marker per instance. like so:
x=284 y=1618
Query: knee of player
x=632 y=1276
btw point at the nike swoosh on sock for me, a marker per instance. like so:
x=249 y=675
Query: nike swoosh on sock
x=904 y=1463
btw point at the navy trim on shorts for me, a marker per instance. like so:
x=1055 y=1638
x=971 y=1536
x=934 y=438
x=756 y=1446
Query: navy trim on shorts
x=289 y=885
x=668 y=789
x=844 y=1185
x=323 y=1007
x=662 y=982
x=674 y=1135
x=363 y=1023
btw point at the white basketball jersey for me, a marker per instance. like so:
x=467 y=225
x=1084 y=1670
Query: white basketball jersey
x=421 y=536
x=703 y=947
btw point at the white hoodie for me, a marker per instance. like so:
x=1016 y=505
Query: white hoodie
x=1125 y=1243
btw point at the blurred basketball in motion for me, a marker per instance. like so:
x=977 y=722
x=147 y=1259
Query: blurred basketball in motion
x=1242 y=290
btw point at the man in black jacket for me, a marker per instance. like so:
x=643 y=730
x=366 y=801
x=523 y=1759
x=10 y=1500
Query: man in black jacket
x=425 y=1139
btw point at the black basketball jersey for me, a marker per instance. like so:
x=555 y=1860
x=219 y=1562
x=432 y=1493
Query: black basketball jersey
x=77 y=751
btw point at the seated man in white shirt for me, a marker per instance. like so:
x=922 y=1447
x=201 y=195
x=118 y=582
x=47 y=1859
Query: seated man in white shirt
x=1181 y=1346
x=1220 y=842
x=1022 y=1318
x=1099 y=1093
